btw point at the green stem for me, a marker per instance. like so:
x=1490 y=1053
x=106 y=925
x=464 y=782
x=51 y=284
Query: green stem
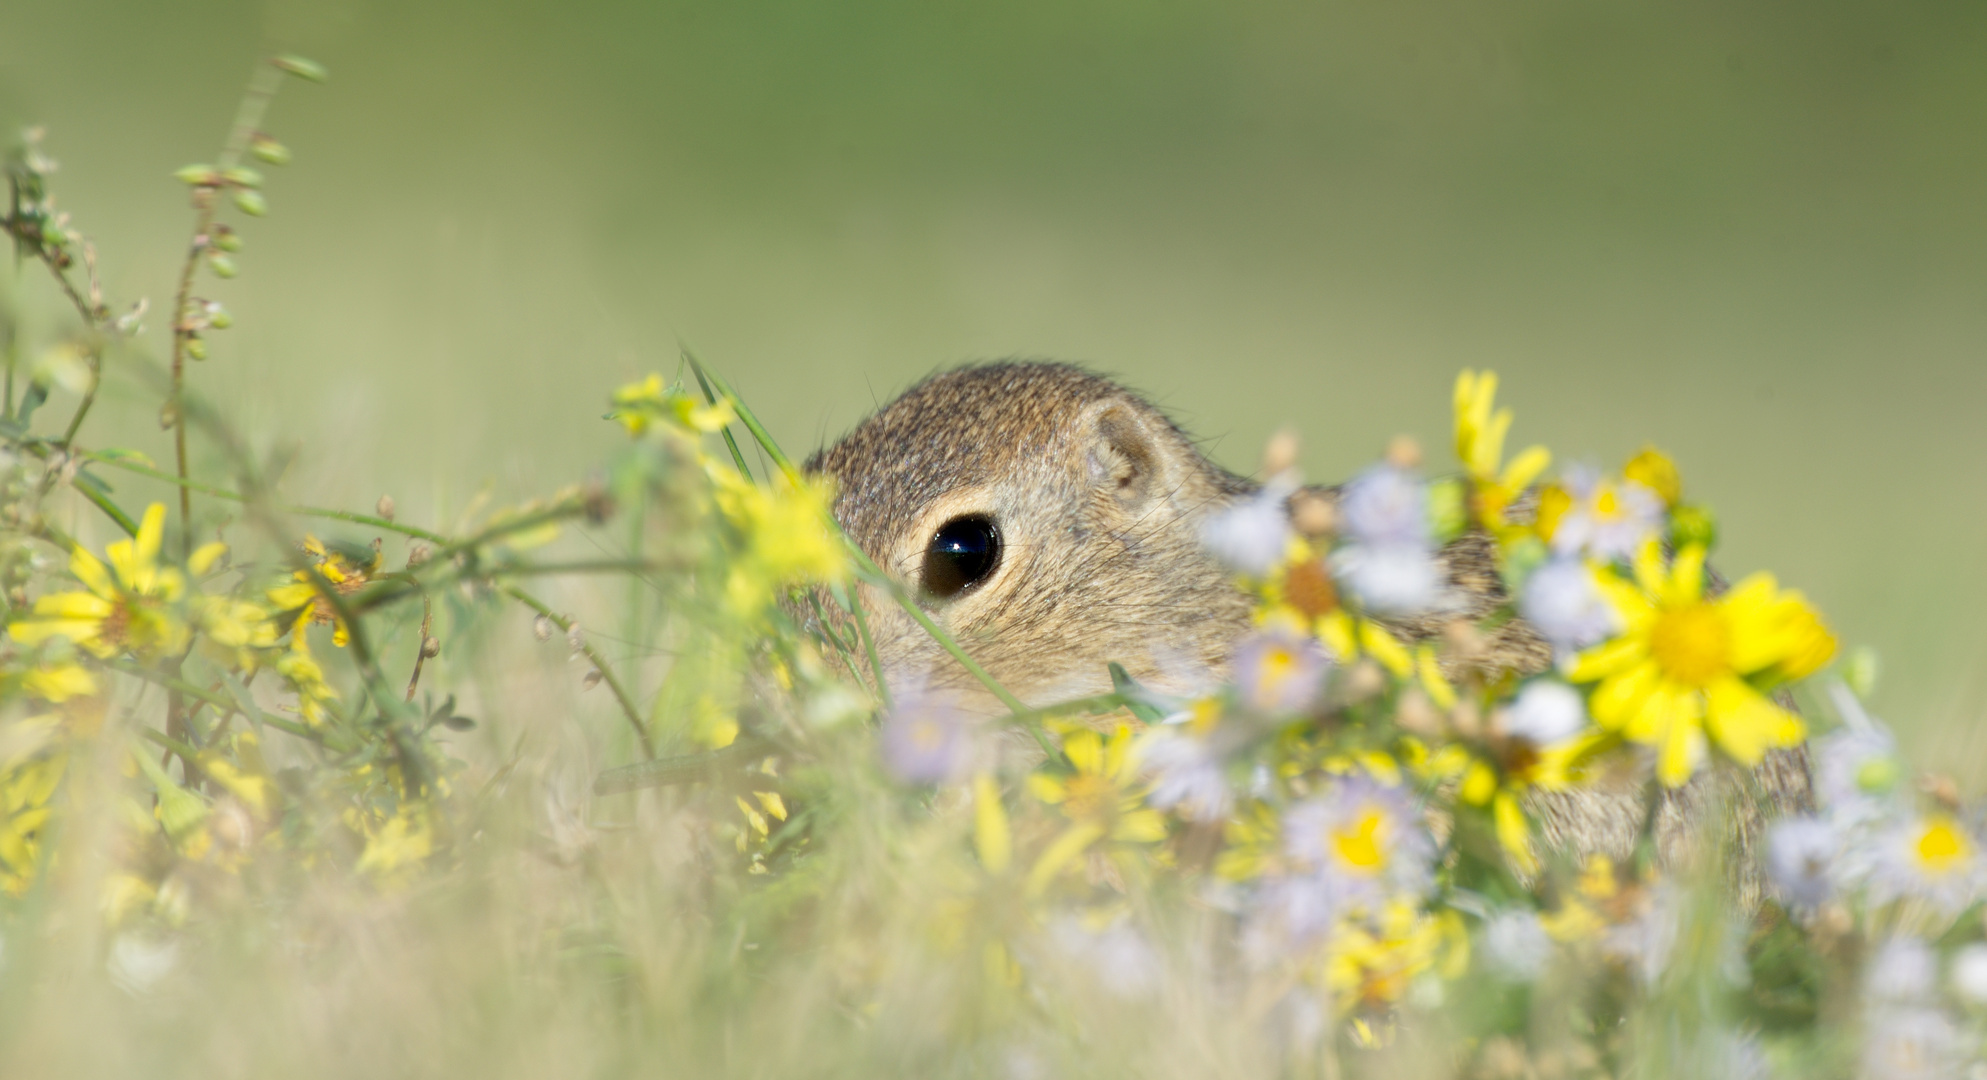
x=300 y=511
x=737 y=456
x=221 y=704
x=599 y=662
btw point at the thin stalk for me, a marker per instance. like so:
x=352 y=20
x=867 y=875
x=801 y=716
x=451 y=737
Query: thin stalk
x=869 y=649
x=729 y=442
x=299 y=511
x=262 y=87
x=599 y=662
x=220 y=704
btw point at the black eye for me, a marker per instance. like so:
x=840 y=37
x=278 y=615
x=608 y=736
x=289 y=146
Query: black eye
x=963 y=552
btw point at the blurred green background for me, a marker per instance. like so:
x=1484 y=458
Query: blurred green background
x=1754 y=233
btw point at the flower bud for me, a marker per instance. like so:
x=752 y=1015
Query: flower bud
x=575 y=638
x=1280 y=455
x=251 y=202
x=223 y=266
x=268 y=150
x=1403 y=452
x=1313 y=514
x=384 y=507
x=226 y=239
x=168 y=415
x=417 y=555
x=196 y=348
x=242 y=176
x=431 y=647
x=309 y=70
x=591 y=680
x=1693 y=525
x=541 y=628
x=218 y=317
x=198 y=176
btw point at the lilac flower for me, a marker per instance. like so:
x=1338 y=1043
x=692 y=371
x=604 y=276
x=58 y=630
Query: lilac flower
x=1279 y=671
x=926 y=738
x=1800 y=861
x=1390 y=579
x=1385 y=506
x=1189 y=774
x=1607 y=520
x=1251 y=535
x=1545 y=712
x=1365 y=836
x=1563 y=603
x=1516 y=945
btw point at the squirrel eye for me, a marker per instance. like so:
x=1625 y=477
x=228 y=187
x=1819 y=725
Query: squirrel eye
x=962 y=553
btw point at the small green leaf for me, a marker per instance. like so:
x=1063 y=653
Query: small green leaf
x=135 y=457
x=303 y=69
x=1136 y=697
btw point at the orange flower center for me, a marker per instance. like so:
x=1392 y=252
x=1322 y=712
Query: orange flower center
x=1692 y=644
x=1090 y=797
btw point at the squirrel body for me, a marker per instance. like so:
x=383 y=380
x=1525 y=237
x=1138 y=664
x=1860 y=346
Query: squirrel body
x=1093 y=503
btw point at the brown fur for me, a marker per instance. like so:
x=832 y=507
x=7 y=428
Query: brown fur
x=1100 y=500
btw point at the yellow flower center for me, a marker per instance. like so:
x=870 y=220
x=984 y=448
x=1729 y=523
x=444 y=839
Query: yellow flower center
x=1361 y=847
x=1692 y=644
x=1090 y=797
x=1941 y=846
x=1606 y=505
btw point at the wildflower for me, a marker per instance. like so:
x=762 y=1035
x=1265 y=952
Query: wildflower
x=1384 y=506
x=1252 y=535
x=1800 y=861
x=1653 y=469
x=1969 y=974
x=637 y=405
x=1364 y=836
x=925 y=738
x=131 y=606
x=1189 y=773
x=300 y=670
x=1903 y=969
x=787 y=532
x=1480 y=435
x=1516 y=946
x=1587 y=514
x=1279 y=671
x=348 y=571
x=1546 y=711
x=1393 y=579
x=1564 y=602
x=1372 y=962
x=1858 y=774
x=1099 y=794
x=1678 y=675
x=1935 y=858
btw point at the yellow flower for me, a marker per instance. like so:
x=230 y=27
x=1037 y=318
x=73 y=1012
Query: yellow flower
x=1687 y=669
x=637 y=405
x=131 y=606
x=786 y=532
x=1480 y=431
x=347 y=574
x=1101 y=796
x=1371 y=964
x=300 y=669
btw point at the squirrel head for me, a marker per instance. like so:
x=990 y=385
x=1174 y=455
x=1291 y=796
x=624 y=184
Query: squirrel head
x=1049 y=519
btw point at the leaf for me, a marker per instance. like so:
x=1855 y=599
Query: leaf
x=1137 y=698
x=135 y=457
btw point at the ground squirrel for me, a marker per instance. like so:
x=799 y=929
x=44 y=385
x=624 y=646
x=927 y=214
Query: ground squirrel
x=1050 y=519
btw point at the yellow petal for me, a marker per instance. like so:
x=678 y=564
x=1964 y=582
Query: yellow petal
x=992 y=839
x=1085 y=750
x=1687 y=576
x=1479 y=784
x=1608 y=658
x=1515 y=833
x=1746 y=725
x=1059 y=854
x=1526 y=467
x=1140 y=827
x=203 y=559
x=91 y=573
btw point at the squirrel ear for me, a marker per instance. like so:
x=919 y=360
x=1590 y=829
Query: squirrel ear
x=1127 y=460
